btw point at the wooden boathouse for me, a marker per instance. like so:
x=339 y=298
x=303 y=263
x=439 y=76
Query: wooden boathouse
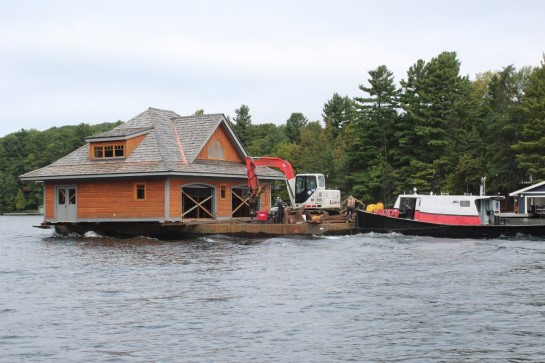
x=157 y=168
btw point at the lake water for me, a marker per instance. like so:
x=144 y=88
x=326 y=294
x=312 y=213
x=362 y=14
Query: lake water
x=378 y=298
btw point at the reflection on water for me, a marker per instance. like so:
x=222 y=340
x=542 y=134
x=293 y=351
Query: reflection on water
x=356 y=298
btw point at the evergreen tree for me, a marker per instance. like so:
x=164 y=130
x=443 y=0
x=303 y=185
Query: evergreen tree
x=293 y=127
x=20 y=201
x=314 y=153
x=413 y=106
x=373 y=128
x=8 y=192
x=241 y=124
x=264 y=138
x=337 y=113
x=531 y=148
x=502 y=118
x=435 y=100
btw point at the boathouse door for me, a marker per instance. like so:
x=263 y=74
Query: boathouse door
x=66 y=207
x=197 y=201
x=240 y=202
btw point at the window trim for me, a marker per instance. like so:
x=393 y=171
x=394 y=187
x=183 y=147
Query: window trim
x=137 y=189
x=108 y=151
x=216 y=150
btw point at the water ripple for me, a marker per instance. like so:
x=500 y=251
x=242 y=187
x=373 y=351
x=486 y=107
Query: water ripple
x=370 y=297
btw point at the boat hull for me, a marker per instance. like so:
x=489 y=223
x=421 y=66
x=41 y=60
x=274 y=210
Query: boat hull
x=371 y=222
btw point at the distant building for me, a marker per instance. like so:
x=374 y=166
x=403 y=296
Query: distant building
x=531 y=199
x=156 y=167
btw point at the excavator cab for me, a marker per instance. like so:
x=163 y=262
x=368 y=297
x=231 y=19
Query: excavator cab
x=306 y=185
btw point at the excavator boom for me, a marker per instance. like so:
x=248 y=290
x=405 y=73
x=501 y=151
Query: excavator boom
x=270 y=161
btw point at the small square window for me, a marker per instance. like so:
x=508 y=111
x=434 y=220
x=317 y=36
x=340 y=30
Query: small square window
x=223 y=191
x=118 y=151
x=140 y=191
x=99 y=152
x=108 y=151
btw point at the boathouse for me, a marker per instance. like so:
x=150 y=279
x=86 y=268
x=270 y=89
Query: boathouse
x=530 y=200
x=156 y=167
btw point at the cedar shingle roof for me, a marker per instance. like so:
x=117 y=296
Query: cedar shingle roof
x=170 y=147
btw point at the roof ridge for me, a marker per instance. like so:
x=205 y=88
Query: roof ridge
x=208 y=114
x=159 y=109
x=182 y=153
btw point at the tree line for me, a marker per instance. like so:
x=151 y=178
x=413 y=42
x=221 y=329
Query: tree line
x=436 y=131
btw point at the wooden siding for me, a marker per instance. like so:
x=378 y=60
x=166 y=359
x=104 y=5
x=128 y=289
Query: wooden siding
x=133 y=143
x=49 y=201
x=112 y=200
x=117 y=200
x=229 y=151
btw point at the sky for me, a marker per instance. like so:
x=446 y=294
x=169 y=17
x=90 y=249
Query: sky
x=71 y=62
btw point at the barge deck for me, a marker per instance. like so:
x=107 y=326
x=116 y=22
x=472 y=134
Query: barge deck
x=180 y=230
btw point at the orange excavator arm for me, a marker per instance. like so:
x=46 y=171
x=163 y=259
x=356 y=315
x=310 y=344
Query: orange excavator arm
x=270 y=161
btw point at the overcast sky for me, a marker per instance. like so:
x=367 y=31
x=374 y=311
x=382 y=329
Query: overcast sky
x=68 y=62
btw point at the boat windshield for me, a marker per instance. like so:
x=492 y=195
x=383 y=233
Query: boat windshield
x=407 y=207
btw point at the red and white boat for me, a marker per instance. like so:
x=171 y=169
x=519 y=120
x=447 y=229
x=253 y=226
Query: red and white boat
x=453 y=216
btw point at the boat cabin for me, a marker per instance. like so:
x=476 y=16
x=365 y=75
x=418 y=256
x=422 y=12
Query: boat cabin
x=530 y=201
x=449 y=209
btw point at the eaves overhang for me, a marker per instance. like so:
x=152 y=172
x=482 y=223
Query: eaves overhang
x=140 y=175
x=118 y=137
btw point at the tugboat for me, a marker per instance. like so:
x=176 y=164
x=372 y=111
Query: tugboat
x=446 y=216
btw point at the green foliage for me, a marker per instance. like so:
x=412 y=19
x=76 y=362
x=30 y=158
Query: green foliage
x=531 y=148
x=242 y=123
x=20 y=201
x=337 y=114
x=293 y=126
x=466 y=176
x=264 y=138
x=8 y=192
x=373 y=128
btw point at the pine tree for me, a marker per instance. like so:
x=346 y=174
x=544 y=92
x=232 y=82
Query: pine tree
x=337 y=113
x=531 y=148
x=435 y=100
x=503 y=118
x=293 y=126
x=374 y=135
x=241 y=124
x=20 y=201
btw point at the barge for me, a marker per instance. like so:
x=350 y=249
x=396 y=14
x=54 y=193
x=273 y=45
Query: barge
x=332 y=226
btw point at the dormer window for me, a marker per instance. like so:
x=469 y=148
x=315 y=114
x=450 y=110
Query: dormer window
x=215 y=150
x=99 y=152
x=119 y=151
x=108 y=151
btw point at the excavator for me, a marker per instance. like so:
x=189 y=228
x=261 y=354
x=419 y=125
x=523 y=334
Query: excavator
x=306 y=191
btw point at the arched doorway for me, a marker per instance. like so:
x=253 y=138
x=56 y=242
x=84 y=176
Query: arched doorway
x=197 y=201
x=240 y=202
